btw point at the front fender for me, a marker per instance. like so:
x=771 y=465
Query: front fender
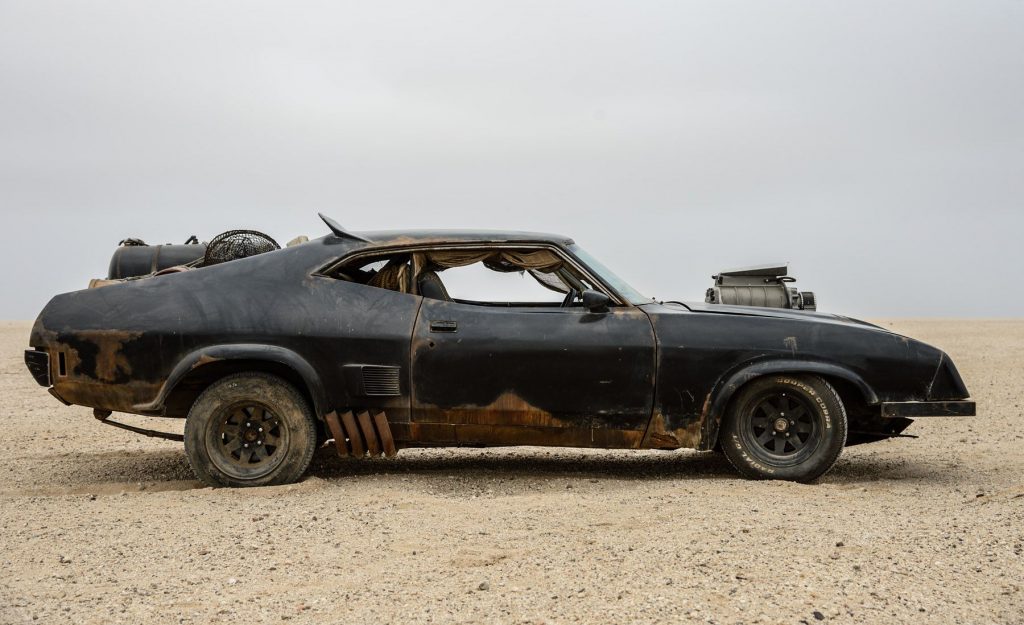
x=241 y=351
x=729 y=383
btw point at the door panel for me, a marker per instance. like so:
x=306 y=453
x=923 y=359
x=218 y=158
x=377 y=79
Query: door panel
x=532 y=375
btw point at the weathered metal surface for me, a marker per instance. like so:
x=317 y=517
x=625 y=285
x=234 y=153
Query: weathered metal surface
x=334 y=425
x=362 y=434
x=545 y=370
x=139 y=260
x=706 y=353
x=369 y=434
x=124 y=342
x=380 y=420
x=659 y=436
x=38 y=364
x=355 y=438
x=653 y=376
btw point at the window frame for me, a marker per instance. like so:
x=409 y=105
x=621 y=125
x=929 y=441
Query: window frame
x=575 y=263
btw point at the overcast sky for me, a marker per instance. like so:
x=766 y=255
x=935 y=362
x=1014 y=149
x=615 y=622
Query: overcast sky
x=878 y=147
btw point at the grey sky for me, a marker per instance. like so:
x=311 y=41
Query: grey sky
x=876 y=146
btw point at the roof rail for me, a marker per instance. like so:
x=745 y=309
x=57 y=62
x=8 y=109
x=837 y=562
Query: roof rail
x=340 y=232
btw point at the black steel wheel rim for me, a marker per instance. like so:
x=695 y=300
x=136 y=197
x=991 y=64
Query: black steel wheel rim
x=782 y=428
x=247 y=440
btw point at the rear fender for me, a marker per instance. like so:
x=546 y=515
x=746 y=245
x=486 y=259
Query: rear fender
x=252 y=352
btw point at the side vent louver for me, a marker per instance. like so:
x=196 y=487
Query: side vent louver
x=381 y=381
x=373 y=380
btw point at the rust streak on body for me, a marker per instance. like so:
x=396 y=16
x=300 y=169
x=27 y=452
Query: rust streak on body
x=507 y=409
x=205 y=360
x=660 y=436
x=109 y=358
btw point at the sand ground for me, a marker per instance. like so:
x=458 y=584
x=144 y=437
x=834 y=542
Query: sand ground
x=98 y=525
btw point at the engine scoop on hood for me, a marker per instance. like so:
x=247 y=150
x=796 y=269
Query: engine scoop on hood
x=763 y=285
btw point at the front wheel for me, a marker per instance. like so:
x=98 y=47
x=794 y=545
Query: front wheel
x=250 y=429
x=785 y=427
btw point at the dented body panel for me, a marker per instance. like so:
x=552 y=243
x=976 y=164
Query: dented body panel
x=654 y=375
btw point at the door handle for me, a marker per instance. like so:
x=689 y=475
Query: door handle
x=443 y=326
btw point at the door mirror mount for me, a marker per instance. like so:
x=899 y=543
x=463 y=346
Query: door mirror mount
x=595 y=301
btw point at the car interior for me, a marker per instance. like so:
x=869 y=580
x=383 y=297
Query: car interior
x=481 y=276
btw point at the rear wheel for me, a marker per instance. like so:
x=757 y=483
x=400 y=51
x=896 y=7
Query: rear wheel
x=785 y=427
x=250 y=429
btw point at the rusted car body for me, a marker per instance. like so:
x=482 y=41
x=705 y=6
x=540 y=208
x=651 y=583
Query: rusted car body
x=386 y=368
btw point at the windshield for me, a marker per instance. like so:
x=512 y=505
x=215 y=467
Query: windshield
x=621 y=286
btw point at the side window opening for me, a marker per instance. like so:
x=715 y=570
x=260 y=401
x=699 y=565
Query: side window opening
x=387 y=272
x=485 y=277
x=479 y=284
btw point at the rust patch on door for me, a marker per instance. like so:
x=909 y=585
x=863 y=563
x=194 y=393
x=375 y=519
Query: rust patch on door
x=507 y=409
x=661 y=436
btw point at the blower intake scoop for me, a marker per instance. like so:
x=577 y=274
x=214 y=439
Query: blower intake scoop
x=764 y=286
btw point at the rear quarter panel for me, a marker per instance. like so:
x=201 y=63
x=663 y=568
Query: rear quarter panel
x=121 y=342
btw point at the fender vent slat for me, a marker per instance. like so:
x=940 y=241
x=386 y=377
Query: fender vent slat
x=369 y=434
x=358 y=432
x=384 y=429
x=381 y=381
x=338 y=433
x=354 y=438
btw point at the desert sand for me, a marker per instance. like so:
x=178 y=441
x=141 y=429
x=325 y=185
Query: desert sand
x=99 y=525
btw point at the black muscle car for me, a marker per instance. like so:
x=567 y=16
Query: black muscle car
x=363 y=339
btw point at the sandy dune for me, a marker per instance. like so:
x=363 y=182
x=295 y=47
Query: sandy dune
x=98 y=525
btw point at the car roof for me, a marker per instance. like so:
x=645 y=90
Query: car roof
x=427 y=237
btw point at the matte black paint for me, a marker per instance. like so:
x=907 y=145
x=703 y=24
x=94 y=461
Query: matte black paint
x=657 y=375
x=582 y=370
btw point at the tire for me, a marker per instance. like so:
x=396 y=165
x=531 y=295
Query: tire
x=763 y=442
x=250 y=429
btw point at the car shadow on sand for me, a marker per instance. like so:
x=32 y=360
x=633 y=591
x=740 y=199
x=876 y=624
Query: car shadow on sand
x=163 y=470
x=606 y=464
x=528 y=463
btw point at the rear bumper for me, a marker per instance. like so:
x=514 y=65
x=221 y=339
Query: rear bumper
x=38 y=364
x=891 y=410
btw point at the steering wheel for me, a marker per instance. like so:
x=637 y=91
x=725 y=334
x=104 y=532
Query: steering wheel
x=570 y=297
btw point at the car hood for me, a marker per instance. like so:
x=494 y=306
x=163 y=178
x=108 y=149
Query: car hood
x=771 y=313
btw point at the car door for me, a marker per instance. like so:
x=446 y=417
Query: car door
x=522 y=375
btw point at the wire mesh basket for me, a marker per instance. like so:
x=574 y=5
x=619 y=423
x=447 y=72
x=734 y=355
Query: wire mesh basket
x=235 y=244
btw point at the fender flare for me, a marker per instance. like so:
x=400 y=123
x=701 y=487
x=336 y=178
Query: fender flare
x=242 y=351
x=729 y=383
